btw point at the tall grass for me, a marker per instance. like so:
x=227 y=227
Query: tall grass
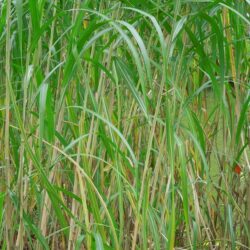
x=124 y=124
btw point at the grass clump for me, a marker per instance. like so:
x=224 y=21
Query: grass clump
x=124 y=124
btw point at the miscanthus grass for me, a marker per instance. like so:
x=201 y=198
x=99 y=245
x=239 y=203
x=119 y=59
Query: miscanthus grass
x=124 y=124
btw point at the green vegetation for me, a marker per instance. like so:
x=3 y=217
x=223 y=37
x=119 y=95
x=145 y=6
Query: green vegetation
x=124 y=124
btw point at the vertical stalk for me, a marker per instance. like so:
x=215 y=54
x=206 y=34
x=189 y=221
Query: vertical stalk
x=8 y=205
x=232 y=60
x=47 y=204
x=51 y=39
x=79 y=182
x=23 y=184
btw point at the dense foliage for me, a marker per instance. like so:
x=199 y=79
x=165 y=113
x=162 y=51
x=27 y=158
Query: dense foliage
x=124 y=124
